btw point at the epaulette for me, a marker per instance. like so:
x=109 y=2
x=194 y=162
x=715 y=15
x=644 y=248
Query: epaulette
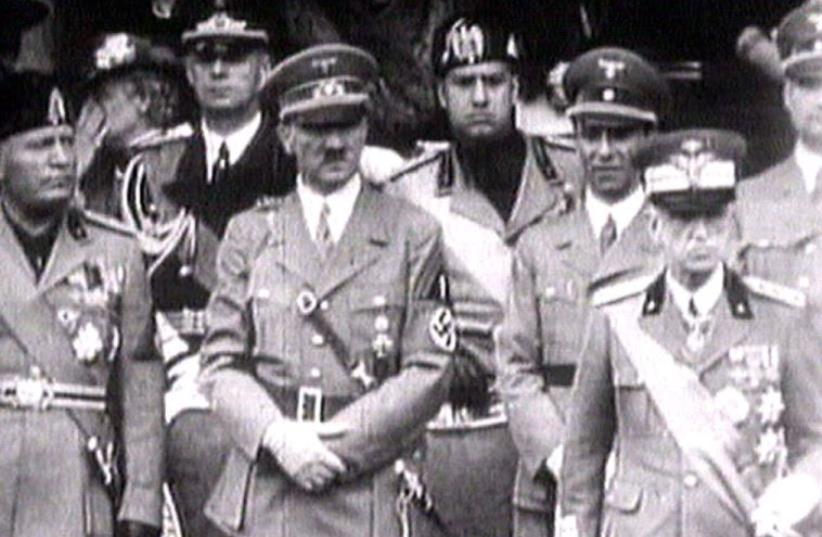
x=267 y=203
x=430 y=151
x=608 y=294
x=165 y=136
x=776 y=291
x=107 y=222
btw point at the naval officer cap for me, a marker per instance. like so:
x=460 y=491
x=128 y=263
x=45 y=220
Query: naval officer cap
x=231 y=27
x=472 y=38
x=615 y=83
x=328 y=83
x=691 y=171
x=799 y=41
x=30 y=101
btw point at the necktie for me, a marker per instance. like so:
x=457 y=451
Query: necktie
x=220 y=171
x=699 y=328
x=816 y=194
x=608 y=235
x=323 y=238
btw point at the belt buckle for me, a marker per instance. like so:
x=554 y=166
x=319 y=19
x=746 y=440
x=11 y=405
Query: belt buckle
x=309 y=404
x=33 y=394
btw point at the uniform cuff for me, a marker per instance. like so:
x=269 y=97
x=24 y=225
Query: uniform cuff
x=142 y=503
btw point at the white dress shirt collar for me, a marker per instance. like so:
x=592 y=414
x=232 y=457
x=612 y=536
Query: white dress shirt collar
x=341 y=205
x=705 y=298
x=237 y=142
x=810 y=164
x=623 y=211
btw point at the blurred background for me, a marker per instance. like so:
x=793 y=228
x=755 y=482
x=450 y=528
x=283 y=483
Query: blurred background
x=712 y=51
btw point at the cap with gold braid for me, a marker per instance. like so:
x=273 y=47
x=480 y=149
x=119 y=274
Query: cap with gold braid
x=228 y=22
x=691 y=171
x=30 y=101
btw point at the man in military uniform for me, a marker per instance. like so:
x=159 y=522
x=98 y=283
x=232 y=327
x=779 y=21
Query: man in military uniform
x=617 y=99
x=781 y=209
x=81 y=386
x=703 y=383
x=485 y=189
x=129 y=137
x=328 y=347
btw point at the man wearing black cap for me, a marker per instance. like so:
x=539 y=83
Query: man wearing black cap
x=128 y=125
x=81 y=402
x=328 y=345
x=616 y=98
x=702 y=382
x=781 y=209
x=485 y=188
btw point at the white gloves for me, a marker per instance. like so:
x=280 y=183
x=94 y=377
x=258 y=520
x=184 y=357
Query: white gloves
x=785 y=503
x=299 y=450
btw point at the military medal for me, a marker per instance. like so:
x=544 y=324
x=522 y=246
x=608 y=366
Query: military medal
x=87 y=343
x=733 y=404
x=771 y=406
x=770 y=446
x=360 y=374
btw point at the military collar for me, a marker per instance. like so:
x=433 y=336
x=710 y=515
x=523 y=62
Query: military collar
x=735 y=293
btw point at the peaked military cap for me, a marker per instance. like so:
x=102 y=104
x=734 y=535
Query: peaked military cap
x=324 y=83
x=228 y=21
x=799 y=41
x=691 y=171
x=117 y=54
x=615 y=82
x=471 y=38
x=19 y=15
x=30 y=100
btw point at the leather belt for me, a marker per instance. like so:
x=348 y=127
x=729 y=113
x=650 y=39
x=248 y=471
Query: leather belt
x=26 y=393
x=451 y=419
x=187 y=322
x=559 y=375
x=309 y=404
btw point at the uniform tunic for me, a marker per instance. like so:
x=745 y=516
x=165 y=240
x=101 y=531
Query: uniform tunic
x=557 y=264
x=373 y=313
x=761 y=366
x=85 y=321
x=470 y=462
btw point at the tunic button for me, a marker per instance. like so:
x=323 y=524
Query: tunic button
x=324 y=305
x=317 y=340
x=690 y=481
x=810 y=248
x=314 y=373
x=804 y=282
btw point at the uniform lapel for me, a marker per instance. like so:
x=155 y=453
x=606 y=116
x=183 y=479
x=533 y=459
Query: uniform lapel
x=300 y=256
x=68 y=252
x=577 y=245
x=666 y=327
x=728 y=330
x=360 y=244
x=633 y=252
x=14 y=266
x=467 y=202
x=534 y=198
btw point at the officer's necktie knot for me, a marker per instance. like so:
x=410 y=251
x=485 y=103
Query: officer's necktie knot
x=221 y=165
x=323 y=238
x=608 y=235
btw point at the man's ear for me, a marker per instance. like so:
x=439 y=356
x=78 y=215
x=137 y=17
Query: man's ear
x=264 y=62
x=442 y=97
x=788 y=90
x=286 y=133
x=189 y=70
x=515 y=85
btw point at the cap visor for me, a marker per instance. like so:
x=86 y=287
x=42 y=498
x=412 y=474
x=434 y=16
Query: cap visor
x=611 y=110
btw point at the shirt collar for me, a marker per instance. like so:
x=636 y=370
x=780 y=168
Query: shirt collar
x=623 y=211
x=340 y=202
x=810 y=164
x=705 y=298
x=237 y=141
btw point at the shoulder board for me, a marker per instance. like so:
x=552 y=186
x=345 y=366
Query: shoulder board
x=776 y=291
x=415 y=164
x=559 y=141
x=266 y=203
x=173 y=134
x=108 y=223
x=621 y=290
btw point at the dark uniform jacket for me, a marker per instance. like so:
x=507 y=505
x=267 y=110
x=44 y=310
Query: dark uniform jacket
x=761 y=365
x=85 y=322
x=374 y=312
x=262 y=170
x=557 y=264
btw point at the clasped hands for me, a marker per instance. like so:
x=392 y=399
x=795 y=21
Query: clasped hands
x=299 y=449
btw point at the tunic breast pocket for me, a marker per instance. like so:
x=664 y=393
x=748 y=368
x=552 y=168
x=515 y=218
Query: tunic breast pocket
x=563 y=321
x=636 y=413
x=376 y=319
x=271 y=311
